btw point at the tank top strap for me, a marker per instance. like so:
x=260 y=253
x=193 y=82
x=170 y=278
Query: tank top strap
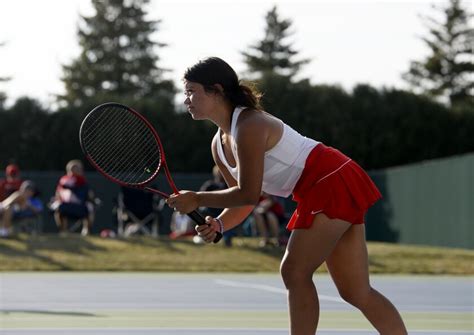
x=220 y=153
x=235 y=117
x=220 y=150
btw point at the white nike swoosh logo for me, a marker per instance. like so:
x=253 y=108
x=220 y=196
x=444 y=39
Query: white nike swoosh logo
x=316 y=212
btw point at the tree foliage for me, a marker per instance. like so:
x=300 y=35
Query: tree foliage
x=448 y=71
x=118 y=59
x=274 y=54
x=36 y=138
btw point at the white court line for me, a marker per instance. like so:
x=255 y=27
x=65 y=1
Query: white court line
x=131 y=330
x=268 y=288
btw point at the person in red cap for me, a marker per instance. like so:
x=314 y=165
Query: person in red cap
x=21 y=204
x=11 y=182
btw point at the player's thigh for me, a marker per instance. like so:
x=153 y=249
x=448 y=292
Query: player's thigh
x=348 y=263
x=308 y=248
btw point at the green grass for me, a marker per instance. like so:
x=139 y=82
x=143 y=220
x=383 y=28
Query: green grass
x=75 y=253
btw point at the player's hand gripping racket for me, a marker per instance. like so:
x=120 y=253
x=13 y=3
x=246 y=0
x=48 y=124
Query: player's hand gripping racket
x=123 y=146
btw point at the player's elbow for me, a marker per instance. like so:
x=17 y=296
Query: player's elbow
x=251 y=198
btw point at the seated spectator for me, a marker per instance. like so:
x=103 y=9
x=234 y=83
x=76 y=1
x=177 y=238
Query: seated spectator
x=73 y=199
x=21 y=204
x=268 y=214
x=138 y=212
x=11 y=182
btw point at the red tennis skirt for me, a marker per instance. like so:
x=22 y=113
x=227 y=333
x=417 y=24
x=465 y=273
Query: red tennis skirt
x=333 y=184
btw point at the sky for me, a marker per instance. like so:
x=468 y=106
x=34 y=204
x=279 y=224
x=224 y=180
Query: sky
x=348 y=42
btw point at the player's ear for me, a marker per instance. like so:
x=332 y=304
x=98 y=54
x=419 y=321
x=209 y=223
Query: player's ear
x=219 y=89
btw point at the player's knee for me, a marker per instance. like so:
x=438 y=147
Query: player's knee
x=355 y=296
x=293 y=275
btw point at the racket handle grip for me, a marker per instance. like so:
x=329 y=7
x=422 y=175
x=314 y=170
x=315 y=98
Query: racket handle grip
x=200 y=220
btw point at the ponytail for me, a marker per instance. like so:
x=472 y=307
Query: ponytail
x=246 y=96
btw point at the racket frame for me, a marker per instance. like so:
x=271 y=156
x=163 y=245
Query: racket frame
x=141 y=185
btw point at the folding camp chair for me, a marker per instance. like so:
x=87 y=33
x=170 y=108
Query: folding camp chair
x=138 y=212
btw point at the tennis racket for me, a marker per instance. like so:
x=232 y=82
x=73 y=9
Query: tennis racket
x=124 y=147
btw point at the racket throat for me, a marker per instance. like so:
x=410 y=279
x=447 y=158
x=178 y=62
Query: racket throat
x=152 y=190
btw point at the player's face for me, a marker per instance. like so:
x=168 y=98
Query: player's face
x=198 y=102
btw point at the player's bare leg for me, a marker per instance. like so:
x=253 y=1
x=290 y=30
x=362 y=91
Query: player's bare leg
x=349 y=268
x=307 y=249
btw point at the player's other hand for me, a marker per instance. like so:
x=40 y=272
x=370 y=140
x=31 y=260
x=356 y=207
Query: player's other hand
x=183 y=202
x=209 y=230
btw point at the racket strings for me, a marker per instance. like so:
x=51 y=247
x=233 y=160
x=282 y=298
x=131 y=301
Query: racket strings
x=138 y=156
x=136 y=151
x=106 y=128
x=111 y=129
x=121 y=144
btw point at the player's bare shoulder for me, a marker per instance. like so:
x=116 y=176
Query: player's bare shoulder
x=258 y=124
x=253 y=119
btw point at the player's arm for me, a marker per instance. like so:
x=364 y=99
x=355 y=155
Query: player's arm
x=230 y=217
x=251 y=140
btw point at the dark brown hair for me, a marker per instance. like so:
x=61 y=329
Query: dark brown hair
x=213 y=70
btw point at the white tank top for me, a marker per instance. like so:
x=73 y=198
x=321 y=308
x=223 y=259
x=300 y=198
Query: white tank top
x=283 y=164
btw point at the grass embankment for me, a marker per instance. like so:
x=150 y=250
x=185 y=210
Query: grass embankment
x=75 y=253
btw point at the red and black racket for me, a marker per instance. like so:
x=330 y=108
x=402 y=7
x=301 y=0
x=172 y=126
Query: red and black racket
x=123 y=146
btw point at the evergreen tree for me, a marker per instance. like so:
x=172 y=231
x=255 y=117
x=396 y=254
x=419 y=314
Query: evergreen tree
x=117 y=61
x=447 y=72
x=23 y=127
x=274 y=54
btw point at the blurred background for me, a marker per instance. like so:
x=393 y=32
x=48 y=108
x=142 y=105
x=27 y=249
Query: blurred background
x=390 y=83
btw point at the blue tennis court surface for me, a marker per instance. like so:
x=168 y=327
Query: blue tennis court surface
x=233 y=304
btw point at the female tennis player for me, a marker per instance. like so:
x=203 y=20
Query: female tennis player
x=257 y=152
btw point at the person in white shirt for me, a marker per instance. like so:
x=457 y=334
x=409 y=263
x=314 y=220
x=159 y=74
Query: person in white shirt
x=257 y=152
